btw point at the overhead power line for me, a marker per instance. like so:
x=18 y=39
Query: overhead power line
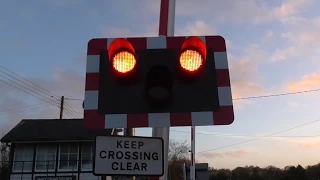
x=45 y=100
x=39 y=87
x=244 y=135
x=254 y=97
x=22 y=109
x=242 y=142
x=73 y=99
x=274 y=95
x=29 y=87
x=26 y=107
x=55 y=99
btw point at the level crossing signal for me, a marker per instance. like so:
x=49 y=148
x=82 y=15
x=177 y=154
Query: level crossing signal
x=157 y=82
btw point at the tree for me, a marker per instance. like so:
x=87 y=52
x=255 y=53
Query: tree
x=178 y=151
x=178 y=154
x=240 y=173
x=313 y=172
x=4 y=161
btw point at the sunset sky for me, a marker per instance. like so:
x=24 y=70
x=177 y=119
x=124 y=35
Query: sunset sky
x=273 y=48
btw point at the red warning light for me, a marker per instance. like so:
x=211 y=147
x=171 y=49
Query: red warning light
x=122 y=55
x=193 y=54
x=191 y=60
x=124 y=62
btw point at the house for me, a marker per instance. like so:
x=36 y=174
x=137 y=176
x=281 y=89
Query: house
x=52 y=149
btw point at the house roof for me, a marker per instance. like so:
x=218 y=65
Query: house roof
x=52 y=130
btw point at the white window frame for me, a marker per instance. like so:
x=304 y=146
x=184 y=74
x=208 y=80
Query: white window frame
x=77 y=165
x=31 y=146
x=82 y=168
x=36 y=159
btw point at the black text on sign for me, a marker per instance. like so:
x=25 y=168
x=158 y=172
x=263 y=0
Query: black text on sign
x=119 y=155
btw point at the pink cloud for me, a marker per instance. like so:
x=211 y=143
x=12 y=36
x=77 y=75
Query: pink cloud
x=312 y=146
x=231 y=154
x=237 y=154
x=212 y=155
x=309 y=143
x=307 y=82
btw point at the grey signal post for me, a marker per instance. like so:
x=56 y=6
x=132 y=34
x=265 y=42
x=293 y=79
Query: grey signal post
x=129 y=132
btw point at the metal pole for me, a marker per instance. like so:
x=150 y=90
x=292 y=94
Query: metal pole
x=61 y=107
x=184 y=171
x=193 y=149
x=166 y=28
x=129 y=132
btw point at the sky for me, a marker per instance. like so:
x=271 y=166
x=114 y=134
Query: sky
x=272 y=45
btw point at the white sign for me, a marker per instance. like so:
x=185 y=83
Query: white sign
x=121 y=155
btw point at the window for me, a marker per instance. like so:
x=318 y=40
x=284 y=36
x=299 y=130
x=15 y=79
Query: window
x=23 y=157
x=46 y=157
x=86 y=156
x=68 y=159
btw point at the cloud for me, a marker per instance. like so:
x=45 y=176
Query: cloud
x=237 y=154
x=244 y=74
x=196 y=28
x=294 y=104
x=151 y=30
x=303 y=39
x=236 y=11
x=229 y=154
x=307 y=82
x=284 y=54
x=211 y=155
x=243 y=79
x=192 y=28
x=312 y=143
x=312 y=146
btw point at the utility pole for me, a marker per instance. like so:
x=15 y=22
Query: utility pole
x=61 y=106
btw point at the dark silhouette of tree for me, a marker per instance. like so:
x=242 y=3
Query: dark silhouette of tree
x=313 y=172
x=178 y=154
x=268 y=173
x=221 y=176
x=4 y=161
x=240 y=173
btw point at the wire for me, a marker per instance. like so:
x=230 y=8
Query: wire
x=49 y=99
x=241 y=135
x=253 y=97
x=71 y=111
x=28 y=93
x=9 y=110
x=49 y=102
x=242 y=142
x=274 y=95
x=22 y=82
x=75 y=113
x=40 y=89
x=73 y=99
x=22 y=109
x=28 y=81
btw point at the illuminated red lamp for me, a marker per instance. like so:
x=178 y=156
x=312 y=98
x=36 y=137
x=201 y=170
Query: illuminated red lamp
x=122 y=56
x=193 y=54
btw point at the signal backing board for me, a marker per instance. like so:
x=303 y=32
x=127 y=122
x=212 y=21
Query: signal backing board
x=96 y=119
x=136 y=156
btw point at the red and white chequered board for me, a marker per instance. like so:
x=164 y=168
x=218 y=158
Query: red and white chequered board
x=93 y=120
